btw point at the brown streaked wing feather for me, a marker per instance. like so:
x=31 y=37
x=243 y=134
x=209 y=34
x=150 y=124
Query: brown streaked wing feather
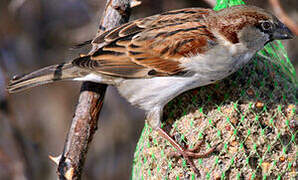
x=123 y=67
x=161 y=49
x=151 y=22
x=151 y=46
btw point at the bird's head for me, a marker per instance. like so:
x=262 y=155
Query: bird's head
x=250 y=25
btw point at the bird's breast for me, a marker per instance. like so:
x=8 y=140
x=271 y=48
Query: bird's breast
x=219 y=62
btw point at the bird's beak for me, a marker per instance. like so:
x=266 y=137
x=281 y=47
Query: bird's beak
x=282 y=32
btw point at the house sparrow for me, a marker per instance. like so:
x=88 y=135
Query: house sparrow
x=154 y=59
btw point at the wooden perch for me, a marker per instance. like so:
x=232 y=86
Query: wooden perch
x=19 y=163
x=278 y=10
x=84 y=123
x=211 y=3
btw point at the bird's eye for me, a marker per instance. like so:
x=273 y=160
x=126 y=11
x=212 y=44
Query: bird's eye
x=266 y=26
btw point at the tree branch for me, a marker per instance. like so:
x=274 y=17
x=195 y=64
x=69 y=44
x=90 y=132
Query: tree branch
x=84 y=123
x=211 y=3
x=278 y=10
x=20 y=162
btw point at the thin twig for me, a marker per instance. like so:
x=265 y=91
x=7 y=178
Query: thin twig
x=22 y=166
x=211 y=3
x=84 y=123
x=278 y=10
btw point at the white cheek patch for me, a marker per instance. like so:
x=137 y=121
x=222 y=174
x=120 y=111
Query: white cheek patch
x=90 y=77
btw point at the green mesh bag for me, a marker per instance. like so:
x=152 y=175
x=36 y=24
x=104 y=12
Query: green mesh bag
x=250 y=117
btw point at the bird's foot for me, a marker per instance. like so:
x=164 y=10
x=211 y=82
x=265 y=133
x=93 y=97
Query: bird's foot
x=189 y=154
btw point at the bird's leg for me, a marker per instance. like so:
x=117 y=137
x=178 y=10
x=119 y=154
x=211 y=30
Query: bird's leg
x=154 y=118
x=187 y=154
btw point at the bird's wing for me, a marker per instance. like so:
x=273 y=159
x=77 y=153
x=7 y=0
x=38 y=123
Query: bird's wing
x=152 y=46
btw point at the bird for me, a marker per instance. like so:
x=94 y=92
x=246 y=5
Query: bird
x=154 y=59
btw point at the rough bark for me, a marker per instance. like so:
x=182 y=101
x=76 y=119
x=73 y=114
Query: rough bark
x=18 y=165
x=84 y=123
x=281 y=13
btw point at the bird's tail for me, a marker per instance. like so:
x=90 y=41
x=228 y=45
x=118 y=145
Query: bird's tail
x=45 y=75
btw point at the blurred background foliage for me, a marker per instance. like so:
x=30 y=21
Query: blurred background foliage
x=33 y=124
